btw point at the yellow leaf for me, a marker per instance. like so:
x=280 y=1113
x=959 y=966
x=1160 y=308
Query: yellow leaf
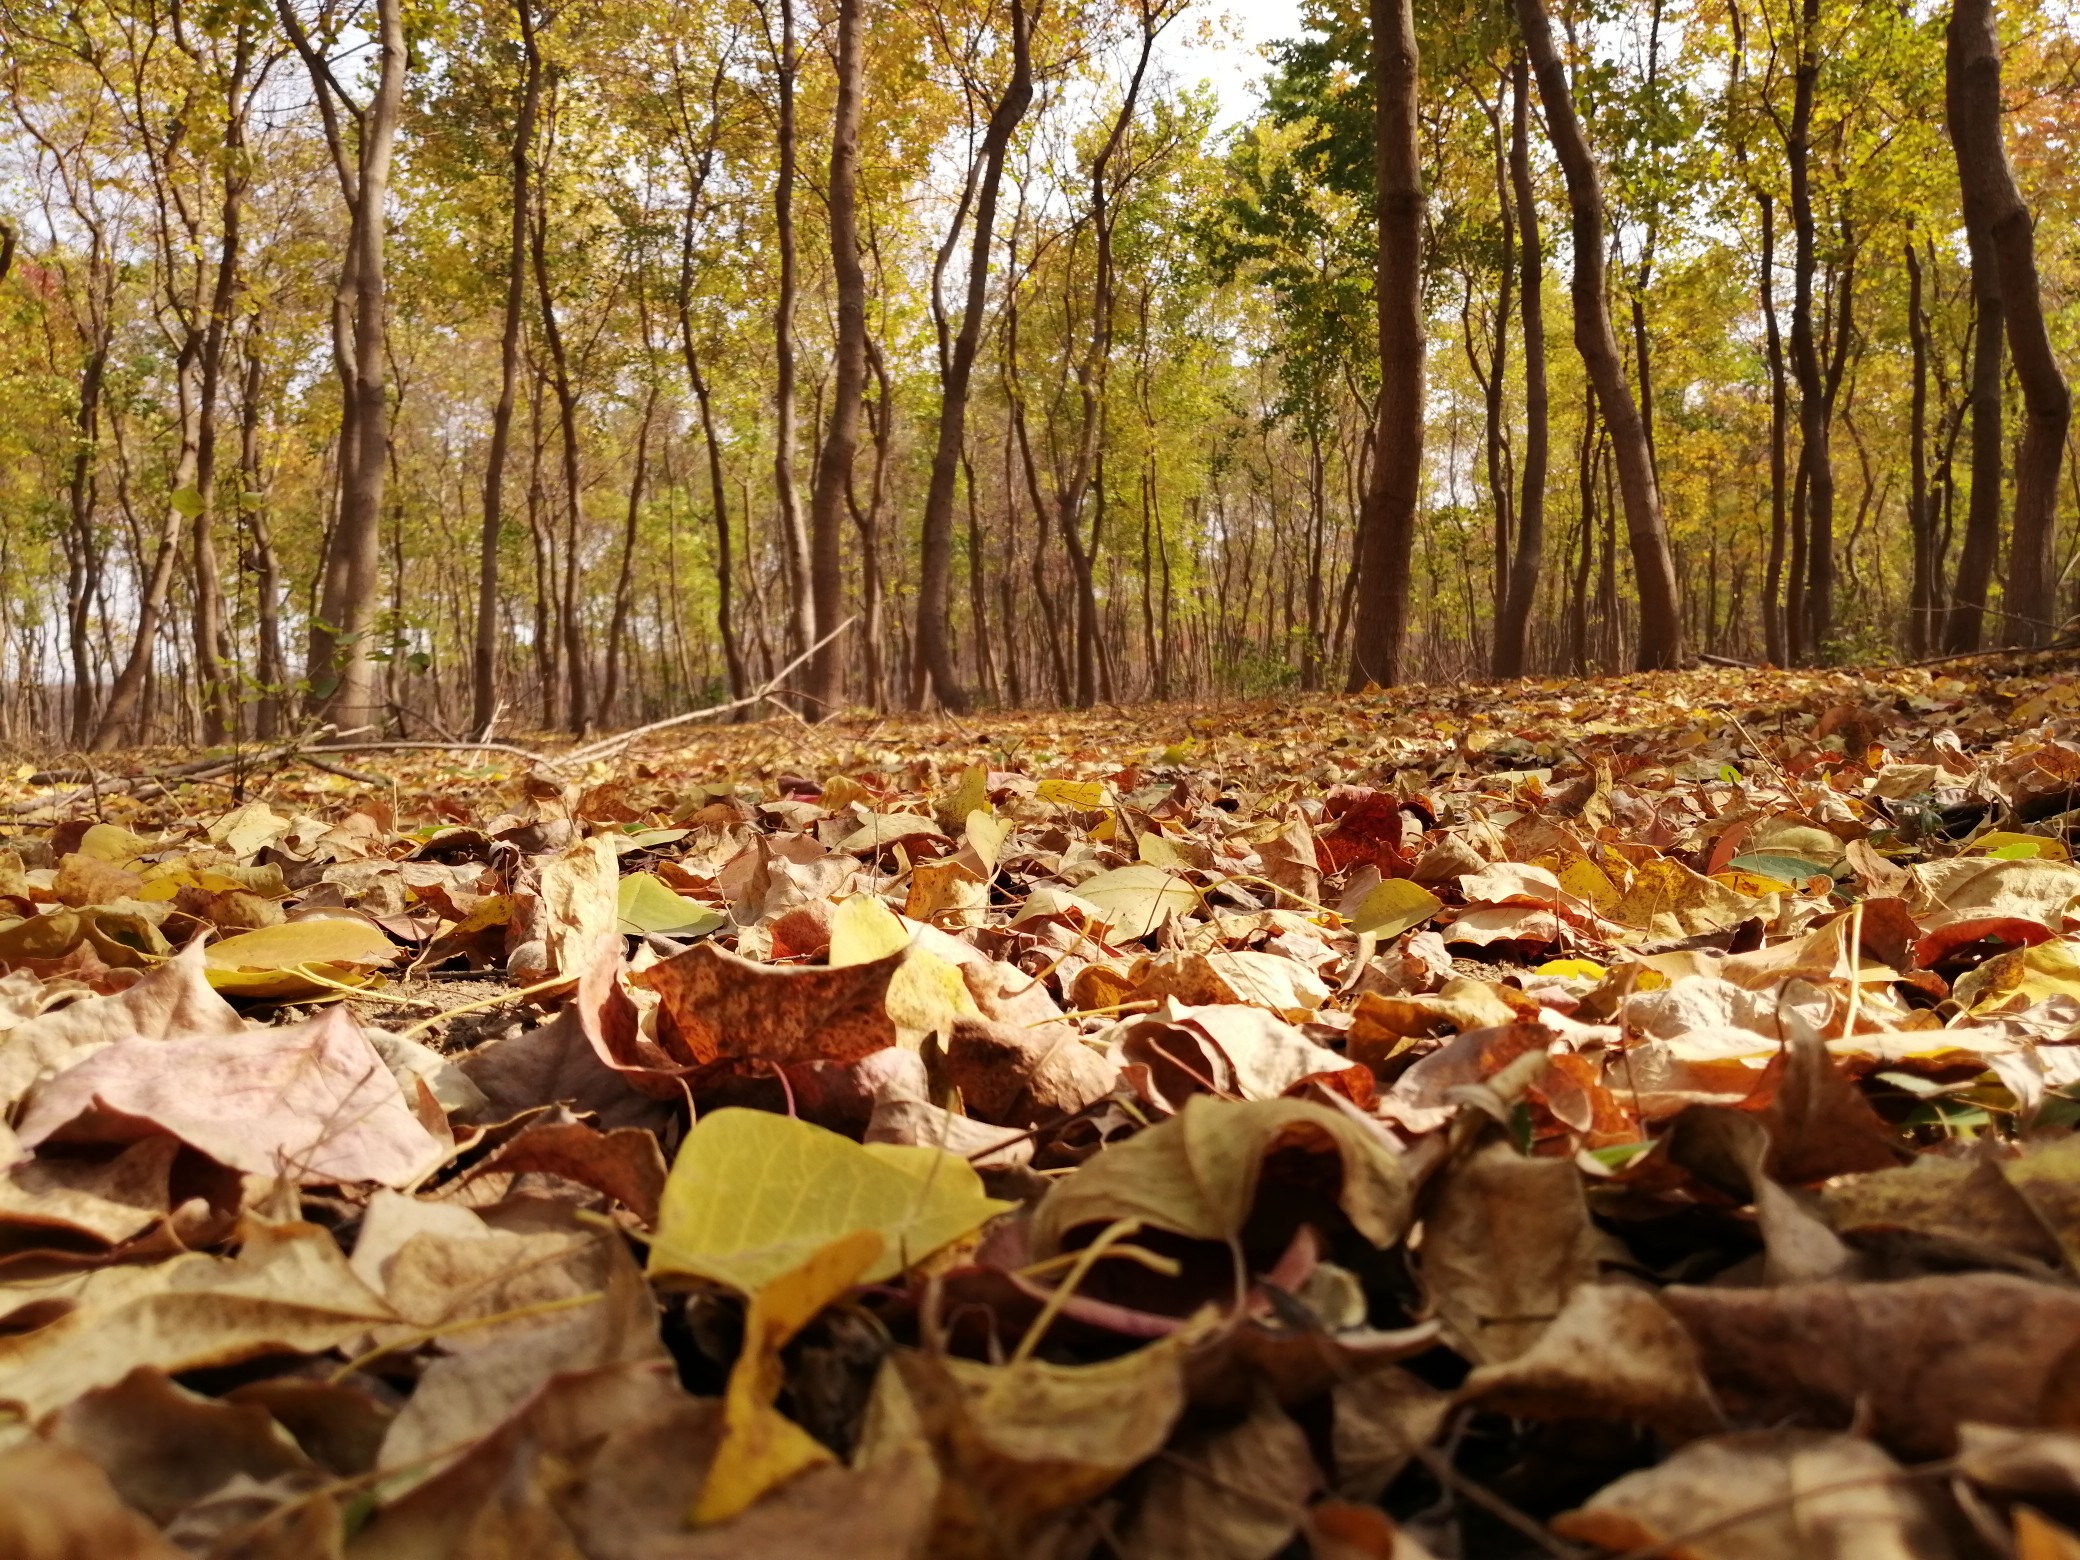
x=762 y=1448
x=1395 y=906
x=946 y=893
x=986 y=836
x=1753 y=884
x=1159 y=852
x=754 y=1195
x=113 y=844
x=1584 y=879
x=1178 y=752
x=1136 y=900
x=1573 y=969
x=969 y=796
x=863 y=930
x=927 y=993
x=1083 y=794
x=247 y=830
x=642 y=905
x=269 y=962
x=2020 y=847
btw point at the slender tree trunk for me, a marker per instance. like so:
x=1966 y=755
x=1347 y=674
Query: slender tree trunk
x=577 y=714
x=794 y=530
x=934 y=674
x=1513 y=631
x=484 y=663
x=1387 y=524
x=624 y=584
x=1654 y=570
x=841 y=440
x=1812 y=590
x=84 y=551
x=271 y=668
x=1994 y=205
x=1964 y=622
x=1920 y=517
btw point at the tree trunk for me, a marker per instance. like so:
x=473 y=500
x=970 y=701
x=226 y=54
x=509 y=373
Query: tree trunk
x=1812 y=596
x=1513 y=632
x=1964 y=622
x=794 y=532
x=934 y=674
x=824 y=685
x=624 y=583
x=1660 y=613
x=1387 y=522
x=270 y=669
x=484 y=664
x=1920 y=518
x=1994 y=206
x=338 y=668
x=1775 y=610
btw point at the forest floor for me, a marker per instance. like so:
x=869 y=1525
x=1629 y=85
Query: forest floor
x=1631 y=1116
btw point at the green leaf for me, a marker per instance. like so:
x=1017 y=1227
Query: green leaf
x=186 y=502
x=754 y=1195
x=1394 y=907
x=643 y=906
x=1790 y=869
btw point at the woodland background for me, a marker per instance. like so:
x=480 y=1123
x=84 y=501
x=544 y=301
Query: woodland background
x=436 y=365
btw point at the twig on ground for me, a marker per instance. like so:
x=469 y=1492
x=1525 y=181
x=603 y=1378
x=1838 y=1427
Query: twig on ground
x=610 y=746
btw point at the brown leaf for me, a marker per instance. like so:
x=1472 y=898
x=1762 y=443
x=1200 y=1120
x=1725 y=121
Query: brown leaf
x=175 y=1001
x=625 y=1163
x=721 y=1007
x=1816 y=1496
x=1912 y=1360
x=1233 y=1494
x=1505 y=1243
x=1819 y=1123
x=1021 y=1076
x=312 y=1101
x=289 y=1291
x=55 y=1504
x=165 y=1448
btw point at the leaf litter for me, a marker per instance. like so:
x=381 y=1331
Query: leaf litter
x=1622 y=1118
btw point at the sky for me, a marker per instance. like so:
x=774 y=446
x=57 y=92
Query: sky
x=1218 y=41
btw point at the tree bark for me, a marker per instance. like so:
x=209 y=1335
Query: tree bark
x=934 y=674
x=1812 y=596
x=794 y=532
x=484 y=664
x=1387 y=521
x=337 y=667
x=824 y=684
x=1653 y=565
x=1920 y=517
x=1994 y=206
x=1513 y=631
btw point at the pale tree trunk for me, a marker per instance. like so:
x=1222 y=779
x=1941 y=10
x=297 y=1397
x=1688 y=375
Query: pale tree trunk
x=934 y=675
x=1653 y=565
x=1994 y=205
x=484 y=662
x=337 y=667
x=1387 y=521
x=825 y=685
x=1513 y=633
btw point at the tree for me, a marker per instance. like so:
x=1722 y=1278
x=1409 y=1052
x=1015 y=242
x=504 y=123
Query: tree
x=338 y=668
x=2005 y=241
x=1386 y=533
x=934 y=674
x=1660 y=611
x=1513 y=630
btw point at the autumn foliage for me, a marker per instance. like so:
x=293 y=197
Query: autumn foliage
x=1625 y=1118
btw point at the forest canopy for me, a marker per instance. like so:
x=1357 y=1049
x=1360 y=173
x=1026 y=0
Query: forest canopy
x=450 y=365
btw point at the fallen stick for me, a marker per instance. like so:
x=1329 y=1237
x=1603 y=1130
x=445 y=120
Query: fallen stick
x=610 y=746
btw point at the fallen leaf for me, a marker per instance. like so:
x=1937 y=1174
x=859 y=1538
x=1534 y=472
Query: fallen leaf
x=722 y=1007
x=298 y=958
x=753 y=1196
